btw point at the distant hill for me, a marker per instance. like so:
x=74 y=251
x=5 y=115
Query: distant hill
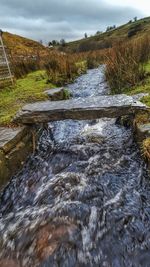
x=21 y=46
x=107 y=39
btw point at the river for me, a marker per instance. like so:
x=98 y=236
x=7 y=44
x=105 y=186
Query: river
x=83 y=199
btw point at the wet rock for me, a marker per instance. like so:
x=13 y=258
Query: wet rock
x=94 y=133
x=61 y=161
x=79 y=109
x=143 y=131
x=16 y=144
x=95 y=139
x=4 y=171
x=9 y=263
x=126 y=121
x=56 y=94
x=50 y=237
x=9 y=137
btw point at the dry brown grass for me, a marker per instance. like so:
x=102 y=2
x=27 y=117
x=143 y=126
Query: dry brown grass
x=125 y=63
x=94 y=58
x=61 y=68
x=146 y=148
x=142 y=117
x=27 y=55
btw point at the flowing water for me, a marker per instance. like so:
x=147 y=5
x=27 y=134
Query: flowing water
x=82 y=200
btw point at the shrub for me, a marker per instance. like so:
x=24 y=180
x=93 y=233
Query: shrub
x=21 y=67
x=66 y=94
x=61 y=68
x=92 y=61
x=134 y=30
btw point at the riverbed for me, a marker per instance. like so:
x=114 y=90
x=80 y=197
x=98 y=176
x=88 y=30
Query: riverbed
x=83 y=199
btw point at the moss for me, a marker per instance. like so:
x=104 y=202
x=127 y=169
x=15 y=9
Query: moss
x=142 y=117
x=146 y=100
x=146 y=148
x=27 y=90
x=66 y=94
x=4 y=171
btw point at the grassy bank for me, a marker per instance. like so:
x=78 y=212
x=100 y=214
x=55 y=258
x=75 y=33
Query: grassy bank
x=26 y=90
x=125 y=64
x=60 y=69
x=128 y=68
x=142 y=87
x=143 y=117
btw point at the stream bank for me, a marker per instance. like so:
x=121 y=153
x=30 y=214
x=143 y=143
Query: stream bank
x=17 y=144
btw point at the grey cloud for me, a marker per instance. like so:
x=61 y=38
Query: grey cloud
x=56 y=19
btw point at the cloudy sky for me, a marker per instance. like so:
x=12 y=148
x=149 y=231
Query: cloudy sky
x=68 y=19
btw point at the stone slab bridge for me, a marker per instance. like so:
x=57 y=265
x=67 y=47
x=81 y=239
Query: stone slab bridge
x=79 y=109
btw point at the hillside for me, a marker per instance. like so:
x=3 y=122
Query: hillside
x=107 y=39
x=21 y=46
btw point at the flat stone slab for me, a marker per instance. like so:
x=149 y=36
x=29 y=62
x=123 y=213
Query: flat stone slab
x=139 y=96
x=9 y=137
x=79 y=109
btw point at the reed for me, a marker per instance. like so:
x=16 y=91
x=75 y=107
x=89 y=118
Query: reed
x=23 y=67
x=125 y=63
x=63 y=68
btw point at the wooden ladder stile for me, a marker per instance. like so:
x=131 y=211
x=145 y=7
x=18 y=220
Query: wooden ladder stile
x=5 y=70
